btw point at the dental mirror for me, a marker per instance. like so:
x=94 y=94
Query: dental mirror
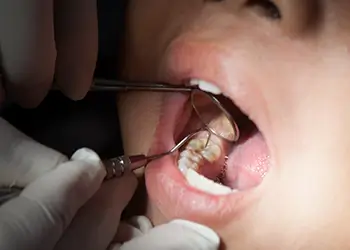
x=214 y=116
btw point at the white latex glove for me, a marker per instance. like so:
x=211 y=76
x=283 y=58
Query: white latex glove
x=176 y=235
x=19 y=161
x=63 y=205
x=41 y=39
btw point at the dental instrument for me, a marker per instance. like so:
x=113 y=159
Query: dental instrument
x=118 y=166
x=121 y=86
x=111 y=85
x=197 y=96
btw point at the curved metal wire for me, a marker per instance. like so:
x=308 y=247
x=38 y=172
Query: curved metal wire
x=218 y=104
x=178 y=145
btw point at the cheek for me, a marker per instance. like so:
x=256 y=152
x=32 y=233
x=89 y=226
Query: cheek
x=151 y=25
x=138 y=115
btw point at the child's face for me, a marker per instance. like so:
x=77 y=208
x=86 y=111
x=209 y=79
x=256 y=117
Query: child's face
x=287 y=66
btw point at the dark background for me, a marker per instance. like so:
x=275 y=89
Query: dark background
x=66 y=125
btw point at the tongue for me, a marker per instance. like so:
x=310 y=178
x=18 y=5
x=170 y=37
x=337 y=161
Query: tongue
x=248 y=163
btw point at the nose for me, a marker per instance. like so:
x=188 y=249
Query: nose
x=300 y=16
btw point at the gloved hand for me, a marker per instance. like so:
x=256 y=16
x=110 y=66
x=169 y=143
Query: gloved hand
x=138 y=233
x=62 y=198
x=56 y=191
x=64 y=205
x=41 y=39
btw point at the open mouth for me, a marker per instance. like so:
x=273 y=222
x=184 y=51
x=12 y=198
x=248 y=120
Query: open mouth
x=206 y=181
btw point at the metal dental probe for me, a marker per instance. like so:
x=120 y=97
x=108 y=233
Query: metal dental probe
x=120 y=86
x=123 y=86
x=118 y=166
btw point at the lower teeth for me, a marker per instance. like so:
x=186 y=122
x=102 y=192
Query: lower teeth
x=193 y=157
x=204 y=184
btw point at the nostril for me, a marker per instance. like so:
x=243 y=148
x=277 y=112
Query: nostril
x=266 y=8
x=303 y=17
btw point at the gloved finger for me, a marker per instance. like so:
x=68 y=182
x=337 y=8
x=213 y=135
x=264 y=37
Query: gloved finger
x=127 y=232
x=134 y=227
x=38 y=217
x=76 y=40
x=22 y=160
x=27 y=49
x=142 y=223
x=176 y=235
x=96 y=223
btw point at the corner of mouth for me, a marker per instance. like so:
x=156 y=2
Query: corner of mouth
x=172 y=192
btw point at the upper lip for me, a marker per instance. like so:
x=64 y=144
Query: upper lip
x=186 y=60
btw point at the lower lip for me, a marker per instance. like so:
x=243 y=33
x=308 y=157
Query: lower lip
x=169 y=191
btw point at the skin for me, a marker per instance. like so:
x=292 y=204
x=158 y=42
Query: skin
x=292 y=76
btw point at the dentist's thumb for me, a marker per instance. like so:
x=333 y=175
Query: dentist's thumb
x=176 y=235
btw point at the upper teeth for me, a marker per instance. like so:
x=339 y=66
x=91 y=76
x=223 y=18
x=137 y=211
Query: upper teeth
x=206 y=86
